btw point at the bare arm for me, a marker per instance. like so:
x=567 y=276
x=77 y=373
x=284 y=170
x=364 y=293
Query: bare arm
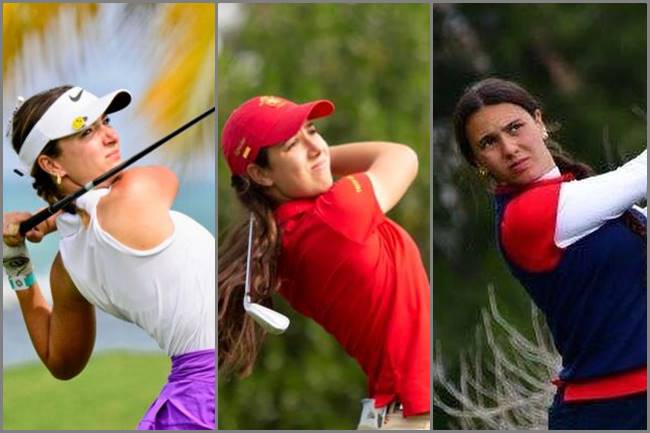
x=391 y=167
x=136 y=212
x=63 y=335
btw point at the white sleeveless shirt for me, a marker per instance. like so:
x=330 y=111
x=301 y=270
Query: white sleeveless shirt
x=168 y=290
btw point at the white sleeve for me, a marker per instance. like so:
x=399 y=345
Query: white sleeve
x=643 y=210
x=585 y=205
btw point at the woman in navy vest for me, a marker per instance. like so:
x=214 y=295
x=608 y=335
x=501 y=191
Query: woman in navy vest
x=577 y=243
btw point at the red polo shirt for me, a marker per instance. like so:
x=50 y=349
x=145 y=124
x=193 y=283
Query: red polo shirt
x=360 y=276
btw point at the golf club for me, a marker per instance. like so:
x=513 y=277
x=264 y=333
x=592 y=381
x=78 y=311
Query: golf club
x=272 y=321
x=41 y=216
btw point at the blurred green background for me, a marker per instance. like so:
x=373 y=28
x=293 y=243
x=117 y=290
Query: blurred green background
x=373 y=62
x=587 y=64
x=113 y=392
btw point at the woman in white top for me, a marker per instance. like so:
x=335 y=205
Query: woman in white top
x=121 y=249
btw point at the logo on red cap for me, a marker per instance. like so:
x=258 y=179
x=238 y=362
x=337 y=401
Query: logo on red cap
x=272 y=101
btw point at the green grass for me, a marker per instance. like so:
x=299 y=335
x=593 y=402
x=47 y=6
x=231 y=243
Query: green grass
x=113 y=392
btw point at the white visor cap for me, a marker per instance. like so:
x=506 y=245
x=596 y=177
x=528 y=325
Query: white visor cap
x=71 y=113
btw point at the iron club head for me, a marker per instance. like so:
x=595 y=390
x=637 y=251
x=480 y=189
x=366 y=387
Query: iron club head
x=272 y=321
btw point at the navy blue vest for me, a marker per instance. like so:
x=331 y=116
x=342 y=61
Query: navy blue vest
x=594 y=299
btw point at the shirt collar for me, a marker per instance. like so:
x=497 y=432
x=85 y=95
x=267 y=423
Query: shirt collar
x=290 y=209
x=552 y=176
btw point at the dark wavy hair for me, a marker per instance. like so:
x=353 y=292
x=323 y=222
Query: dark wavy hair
x=23 y=121
x=239 y=337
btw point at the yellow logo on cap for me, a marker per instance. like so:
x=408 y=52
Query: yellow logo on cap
x=272 y=101
x=78 y=123
x=240 y=146
x=247 y=150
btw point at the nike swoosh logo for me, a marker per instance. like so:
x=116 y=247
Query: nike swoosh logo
x=76 y=98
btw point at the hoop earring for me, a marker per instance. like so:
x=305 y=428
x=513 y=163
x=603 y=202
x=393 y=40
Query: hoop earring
x=58 y=179
x=482 y=171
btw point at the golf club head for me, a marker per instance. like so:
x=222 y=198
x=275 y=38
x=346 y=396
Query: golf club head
x=272 y=321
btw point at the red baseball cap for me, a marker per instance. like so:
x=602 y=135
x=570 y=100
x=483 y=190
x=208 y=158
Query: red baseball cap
x=265 y=121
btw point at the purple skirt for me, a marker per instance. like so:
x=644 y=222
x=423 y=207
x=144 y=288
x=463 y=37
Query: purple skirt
x=186 y=402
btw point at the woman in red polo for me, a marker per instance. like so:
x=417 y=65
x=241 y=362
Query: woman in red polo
x=327 y=247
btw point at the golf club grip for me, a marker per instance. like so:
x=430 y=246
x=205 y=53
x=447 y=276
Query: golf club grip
x=44 y=214
x=33 y=221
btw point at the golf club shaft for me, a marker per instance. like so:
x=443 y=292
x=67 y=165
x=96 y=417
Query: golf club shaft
x=41 y=216
x=247 y=281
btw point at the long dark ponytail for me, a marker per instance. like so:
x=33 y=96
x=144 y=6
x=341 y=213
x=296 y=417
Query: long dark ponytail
x=239 y=337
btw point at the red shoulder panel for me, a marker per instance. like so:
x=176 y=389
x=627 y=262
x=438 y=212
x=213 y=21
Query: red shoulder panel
x=528 y=228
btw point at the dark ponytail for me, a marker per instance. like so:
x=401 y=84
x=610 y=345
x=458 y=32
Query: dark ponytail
x=566 y=163
x=23 y=121
x=239 y=337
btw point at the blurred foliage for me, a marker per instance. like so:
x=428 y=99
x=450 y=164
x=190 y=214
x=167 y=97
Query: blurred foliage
x=587 y=65
x=174 y=45
x=373 y=62
x=185 y=86
x=19 y=20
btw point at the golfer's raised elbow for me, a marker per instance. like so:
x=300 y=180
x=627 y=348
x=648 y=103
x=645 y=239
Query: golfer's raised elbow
x=392 y=175
x=66 y=369
x=411 y=162
x=65 y=373
x=406 y=162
